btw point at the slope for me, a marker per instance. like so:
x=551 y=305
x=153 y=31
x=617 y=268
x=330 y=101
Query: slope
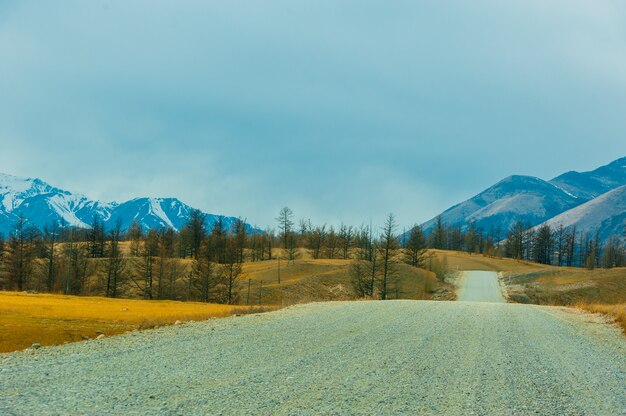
x=516 y=198
x=605 y=215
x=589 y=185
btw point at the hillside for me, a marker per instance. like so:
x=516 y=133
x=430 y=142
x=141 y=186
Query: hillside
x=605 y=215
x=516 y=198
x=589 y=185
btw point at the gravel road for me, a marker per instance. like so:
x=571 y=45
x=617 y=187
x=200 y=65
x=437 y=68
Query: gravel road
x=393 y=357
x=477 y=286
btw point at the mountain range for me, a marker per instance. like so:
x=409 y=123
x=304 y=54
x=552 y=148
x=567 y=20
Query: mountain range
x=42 y=204
x=593 y=201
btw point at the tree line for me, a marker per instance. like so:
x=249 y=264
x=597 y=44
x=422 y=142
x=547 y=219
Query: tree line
x=558 y=246
x=197 y=263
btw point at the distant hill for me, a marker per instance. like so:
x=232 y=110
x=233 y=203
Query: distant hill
x=605 y=215
x=515 y=198
x=534 y=200
x=42 y=204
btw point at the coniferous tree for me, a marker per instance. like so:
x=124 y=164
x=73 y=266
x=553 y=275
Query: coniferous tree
x=285 y=225
x=20 y=256
x=438 y=234
x=388 y=246
x=135 y=235
x=217 y=240
x=542 y=245
x=415 y=248
x=115 y=263
x=197 y=230
x=514 y=245
x=361 y=272
x=50 y=237
x=204 y=272
x=346 y=240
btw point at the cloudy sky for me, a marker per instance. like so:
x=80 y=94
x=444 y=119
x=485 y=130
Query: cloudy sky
x=341 y=110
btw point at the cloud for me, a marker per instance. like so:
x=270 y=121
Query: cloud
x=343 y=111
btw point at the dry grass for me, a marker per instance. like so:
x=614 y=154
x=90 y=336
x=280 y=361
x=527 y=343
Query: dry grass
x=308 y=280
x=460 y=260
x=54 y=319
x=618 y=312
x=568 y=286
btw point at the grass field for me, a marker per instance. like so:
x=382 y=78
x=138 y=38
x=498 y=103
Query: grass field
x=307 y=280
x=460 y=260
x=55 y=319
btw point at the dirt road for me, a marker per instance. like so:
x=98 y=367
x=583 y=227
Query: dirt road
x=477 y=286
x=393 y=357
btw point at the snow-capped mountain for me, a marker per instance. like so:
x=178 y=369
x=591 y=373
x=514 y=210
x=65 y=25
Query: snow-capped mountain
x=605 y=215
x=589 y=185
x=532 y=200
x=515 y=198
x=42 y=204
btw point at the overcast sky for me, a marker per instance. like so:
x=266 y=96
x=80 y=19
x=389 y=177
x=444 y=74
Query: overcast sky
x=341 y=110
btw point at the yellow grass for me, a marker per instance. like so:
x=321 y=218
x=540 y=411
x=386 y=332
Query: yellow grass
x=292 y=272
x=460 y=260
x=54 y=319
x=618 y=312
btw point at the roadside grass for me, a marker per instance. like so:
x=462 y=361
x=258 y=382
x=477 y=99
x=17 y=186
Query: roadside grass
x=618 y=312
x=460 y=260
x=568 y=286
x=49 y=319
x=597 y=291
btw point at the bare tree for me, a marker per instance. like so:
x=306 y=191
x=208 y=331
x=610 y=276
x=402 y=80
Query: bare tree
x=50 y=235
x=135 y=234
x=115 y=263
x=204 y=272
x=19 y=258
x=285 y=225
x=388 y=247
x=346 y=240
x=361 y=278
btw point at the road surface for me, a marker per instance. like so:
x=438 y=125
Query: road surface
x=477 y=286
x=393 y=357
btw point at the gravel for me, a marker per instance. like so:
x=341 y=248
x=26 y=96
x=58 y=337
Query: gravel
x=478 y=286
x=393 y=357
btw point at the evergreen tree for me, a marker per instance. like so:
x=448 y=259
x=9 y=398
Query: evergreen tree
x=415 y=248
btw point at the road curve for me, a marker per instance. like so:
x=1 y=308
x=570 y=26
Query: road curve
x=393 y=357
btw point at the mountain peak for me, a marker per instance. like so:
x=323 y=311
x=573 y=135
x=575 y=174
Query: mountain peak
x=621 y=162
x=41 y=204
x=589 y=185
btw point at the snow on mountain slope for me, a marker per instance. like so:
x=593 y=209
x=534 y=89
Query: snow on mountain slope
x=42 y=204
x=588 y=185
x=516 y=198
x=605 y=214
x=151 y=213
x=13 y=190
